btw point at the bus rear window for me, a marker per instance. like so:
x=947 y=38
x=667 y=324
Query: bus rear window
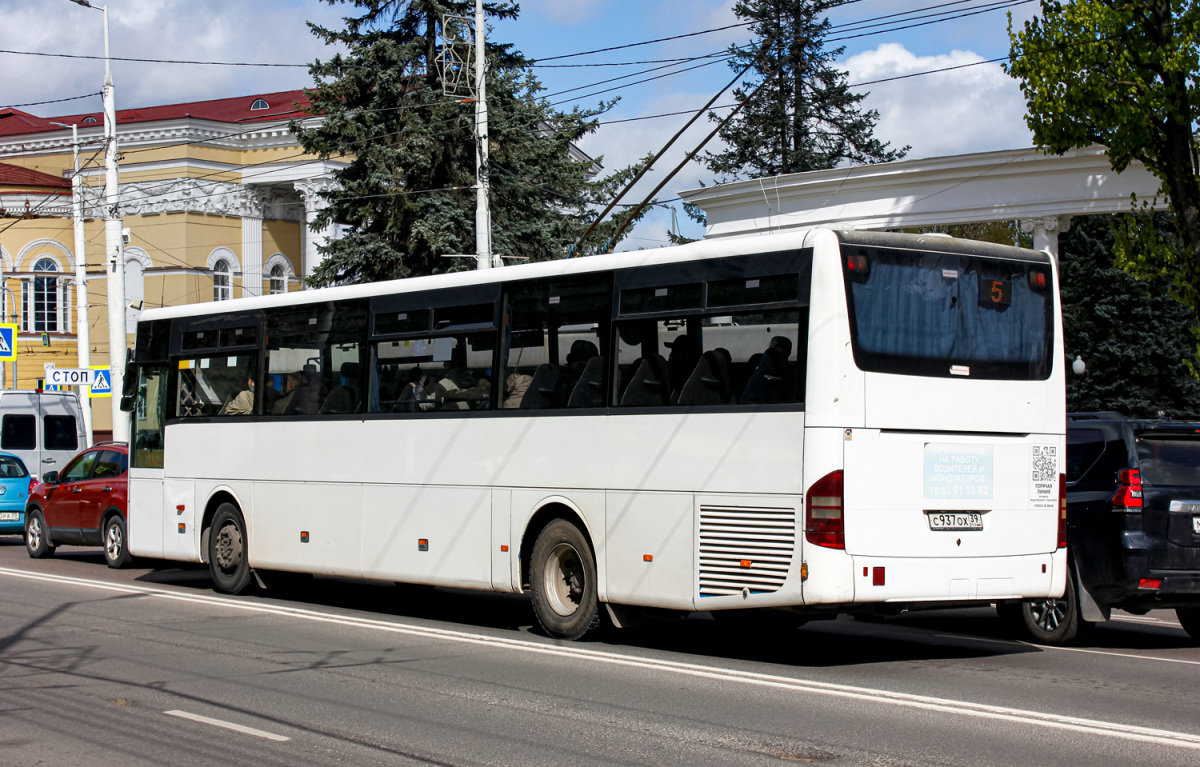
x=944 y=314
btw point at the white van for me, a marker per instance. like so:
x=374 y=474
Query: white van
x=42 y=428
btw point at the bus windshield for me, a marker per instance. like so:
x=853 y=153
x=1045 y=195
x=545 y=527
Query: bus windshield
x=944 y=314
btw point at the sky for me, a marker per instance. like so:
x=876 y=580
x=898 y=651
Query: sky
x=974 y=108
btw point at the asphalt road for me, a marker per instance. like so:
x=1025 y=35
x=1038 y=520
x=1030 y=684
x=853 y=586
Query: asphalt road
x=148 y=666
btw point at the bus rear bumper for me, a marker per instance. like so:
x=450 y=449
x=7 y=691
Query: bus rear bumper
x=953 y=579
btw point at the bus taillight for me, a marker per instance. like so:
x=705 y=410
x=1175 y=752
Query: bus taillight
x=1062 y=511
x=823 y=522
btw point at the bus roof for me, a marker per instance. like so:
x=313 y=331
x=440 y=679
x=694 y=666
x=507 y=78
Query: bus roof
x=699 y=250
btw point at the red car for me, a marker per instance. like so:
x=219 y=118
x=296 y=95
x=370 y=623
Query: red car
x=84 y=504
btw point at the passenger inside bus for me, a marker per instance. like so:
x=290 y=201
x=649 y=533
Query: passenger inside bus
x=287 y=403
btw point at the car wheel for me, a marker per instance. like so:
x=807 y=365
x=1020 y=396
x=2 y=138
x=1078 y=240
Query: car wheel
x=228 y=562
x=1189 y=618
x=116 y=545
x=563 y=581
x=1053 y=621
x=37 y=538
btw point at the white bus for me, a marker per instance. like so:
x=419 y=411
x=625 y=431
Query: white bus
x=806 y=423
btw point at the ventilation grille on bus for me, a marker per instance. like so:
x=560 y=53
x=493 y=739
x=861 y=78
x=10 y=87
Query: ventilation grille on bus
x=745 y=548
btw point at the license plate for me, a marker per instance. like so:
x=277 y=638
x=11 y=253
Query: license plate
x=9 y=516
x=955 y=520
x=1196 y=525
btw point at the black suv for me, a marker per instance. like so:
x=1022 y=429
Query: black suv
x=1133 y=525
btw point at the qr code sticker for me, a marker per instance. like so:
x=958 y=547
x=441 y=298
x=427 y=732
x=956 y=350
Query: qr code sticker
x=1045 y=463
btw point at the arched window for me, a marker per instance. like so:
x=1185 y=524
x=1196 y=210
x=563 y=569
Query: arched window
x=259 y=104
x=45 y=298
x=89 y=120
x=278 y=279
x=222 y=281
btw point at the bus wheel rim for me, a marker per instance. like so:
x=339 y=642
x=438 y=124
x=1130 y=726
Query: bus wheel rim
x=564 y=580
x=229 y=547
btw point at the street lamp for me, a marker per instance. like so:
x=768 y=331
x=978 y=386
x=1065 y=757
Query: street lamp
x=113 y=244
x=1078 y=366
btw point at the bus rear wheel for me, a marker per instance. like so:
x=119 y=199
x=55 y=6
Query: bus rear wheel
x=1051 y=621
x=227 y=552
x=563 y=581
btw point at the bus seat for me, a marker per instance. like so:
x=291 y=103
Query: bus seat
x=651 y=384
x=344 y=398
x=766 y=383
x=543 y=391
x=709 y=382
x=589 y=390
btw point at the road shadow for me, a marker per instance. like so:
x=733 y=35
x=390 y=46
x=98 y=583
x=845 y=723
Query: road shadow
x=915 y=636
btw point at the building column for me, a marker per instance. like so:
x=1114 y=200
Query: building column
x=310 y=190
x=252 y=256
x=1045 y=232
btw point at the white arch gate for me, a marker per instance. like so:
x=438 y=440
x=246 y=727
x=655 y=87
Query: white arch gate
x=1042 y=191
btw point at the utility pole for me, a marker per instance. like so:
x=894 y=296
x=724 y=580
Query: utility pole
x=483 y=213
x=82 y=330
x=114 y=247
x=114 y=244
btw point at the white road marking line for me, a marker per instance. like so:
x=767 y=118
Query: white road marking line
x=1116 y=730
x=227 y=725
x=1114 y=654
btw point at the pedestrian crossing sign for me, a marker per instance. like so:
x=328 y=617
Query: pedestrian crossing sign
x=101 y=381
x=8 y=342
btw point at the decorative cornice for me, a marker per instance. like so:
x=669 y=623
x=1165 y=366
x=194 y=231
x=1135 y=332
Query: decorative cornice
x=187 y=130
x=310 y=190
x=218 y=198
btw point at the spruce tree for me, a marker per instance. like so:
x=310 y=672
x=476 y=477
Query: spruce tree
x=804 y=116
x=1136 y=339
x=407 y=197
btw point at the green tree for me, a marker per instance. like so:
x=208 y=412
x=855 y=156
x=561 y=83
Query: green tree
x=1136 y=340
x=1000 y=232
x=408 y=194
x=804 y=116
x=1124 y=75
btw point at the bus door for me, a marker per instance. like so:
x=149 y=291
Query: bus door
x=145 y=502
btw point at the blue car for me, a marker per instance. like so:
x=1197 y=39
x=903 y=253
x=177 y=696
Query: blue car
x=14 y=492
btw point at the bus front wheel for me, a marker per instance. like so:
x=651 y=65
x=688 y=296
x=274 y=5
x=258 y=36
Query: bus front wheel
x=563 y=581
x=227 y=560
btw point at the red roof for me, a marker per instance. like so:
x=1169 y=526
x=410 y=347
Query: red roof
x=18 y=176
x=279 y=106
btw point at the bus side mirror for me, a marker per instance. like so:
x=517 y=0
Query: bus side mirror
x=129 y=385
x=127 y=403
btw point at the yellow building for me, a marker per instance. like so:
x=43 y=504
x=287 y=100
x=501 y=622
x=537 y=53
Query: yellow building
x=215 y=196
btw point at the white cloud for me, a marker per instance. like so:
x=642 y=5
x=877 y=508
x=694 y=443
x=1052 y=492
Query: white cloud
x=218 y=30
x=974 y=109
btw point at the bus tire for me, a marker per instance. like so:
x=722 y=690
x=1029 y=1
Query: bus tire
x=1053 y=621
x=1189 y=618
x=227 y=551
x=563 y=581
x=116 y=542
x=37 y=537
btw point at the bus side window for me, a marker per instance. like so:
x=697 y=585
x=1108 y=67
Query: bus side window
x=555 y=343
